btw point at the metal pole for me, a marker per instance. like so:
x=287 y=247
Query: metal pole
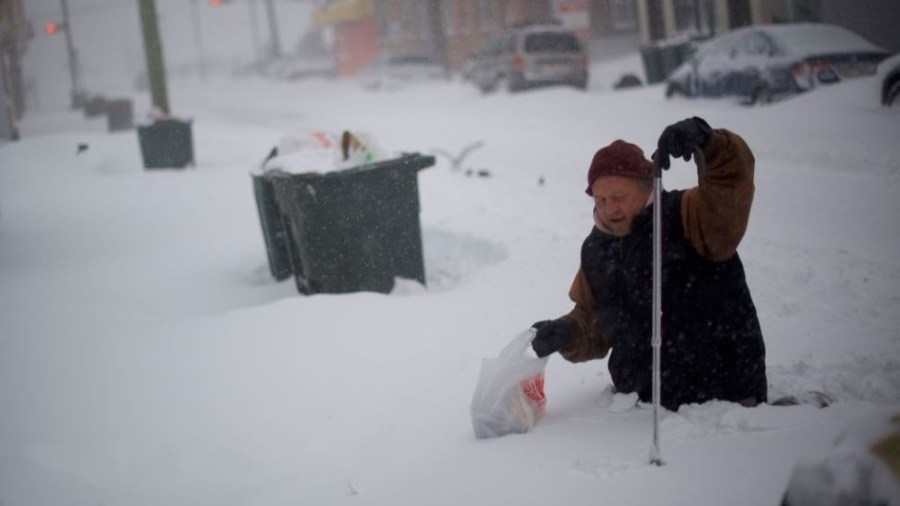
x=273 y=29
x=655 y=454
x=439 y=39
x=198 y=39
x=73 y=58
x=254 y=30
x=156 y=69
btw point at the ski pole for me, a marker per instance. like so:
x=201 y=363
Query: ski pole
x=656 y=342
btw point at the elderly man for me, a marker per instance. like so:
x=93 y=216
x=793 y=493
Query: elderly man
x=712 y=343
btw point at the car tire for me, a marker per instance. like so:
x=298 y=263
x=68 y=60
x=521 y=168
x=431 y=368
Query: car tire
x=489 y=87
x=761 y=96
x=891 y=90
x=515 y=83
x=675 y=91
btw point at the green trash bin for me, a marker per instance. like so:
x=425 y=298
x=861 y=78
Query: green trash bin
x=653 y=66
x=662 y=57
x=274 y=230
x=356 y=229
x=166 y=144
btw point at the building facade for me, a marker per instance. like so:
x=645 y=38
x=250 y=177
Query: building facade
x=452 y=29
x=14 y=35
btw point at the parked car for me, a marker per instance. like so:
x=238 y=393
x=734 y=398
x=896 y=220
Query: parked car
x=299 y=67
x=529 y=56
x=889 y=74
x=760 y=64
x=394 y=71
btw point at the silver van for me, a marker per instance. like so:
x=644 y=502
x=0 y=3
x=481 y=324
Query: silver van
x=527 y=57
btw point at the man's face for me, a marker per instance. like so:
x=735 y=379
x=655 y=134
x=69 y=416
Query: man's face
x=618 y=200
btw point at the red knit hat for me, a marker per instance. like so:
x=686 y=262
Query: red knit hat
x=619 y=159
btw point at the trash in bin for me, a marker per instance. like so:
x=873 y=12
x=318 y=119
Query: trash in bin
x=119 y=115
x=346 y=229
x=166 y=143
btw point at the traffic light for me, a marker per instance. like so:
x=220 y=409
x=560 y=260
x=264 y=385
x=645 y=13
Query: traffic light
x=52 y=27
x=218 y=3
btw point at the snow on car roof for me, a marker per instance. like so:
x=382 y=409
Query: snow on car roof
x=812 y=38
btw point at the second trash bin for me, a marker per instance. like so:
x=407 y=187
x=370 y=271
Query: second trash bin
x=166 y=144
x=356 y=229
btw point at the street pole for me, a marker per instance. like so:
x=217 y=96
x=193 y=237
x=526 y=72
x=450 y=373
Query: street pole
x=77 y=96
x=438 y=37
x=156 y=70
x=198 y=39
x=273 y=29
x=254 y=31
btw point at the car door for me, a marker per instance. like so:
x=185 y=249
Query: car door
x=713 y=67
x=750 y=61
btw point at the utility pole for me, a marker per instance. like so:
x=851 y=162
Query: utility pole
x=77 y=95
x=273 y=29
x=156 y=69
x=438 y=37
x=198 y=39
x=254 y=31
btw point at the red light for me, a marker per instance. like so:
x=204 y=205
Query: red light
x=215 y=3
x=518 y=62
x=51 y=27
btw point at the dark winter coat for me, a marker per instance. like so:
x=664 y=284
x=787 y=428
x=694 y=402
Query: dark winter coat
x=712 y=342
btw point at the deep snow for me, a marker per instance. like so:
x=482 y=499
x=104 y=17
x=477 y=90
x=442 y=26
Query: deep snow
x=146 y=357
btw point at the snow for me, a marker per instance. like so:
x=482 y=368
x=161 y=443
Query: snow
x=146 y=356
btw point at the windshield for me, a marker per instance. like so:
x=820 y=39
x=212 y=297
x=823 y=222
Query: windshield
x=550 y=42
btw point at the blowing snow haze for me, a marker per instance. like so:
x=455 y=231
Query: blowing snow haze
x=107 y=37
x=149 y=357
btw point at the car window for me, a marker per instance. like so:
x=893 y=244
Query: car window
x=754 y=44
x=551 y=42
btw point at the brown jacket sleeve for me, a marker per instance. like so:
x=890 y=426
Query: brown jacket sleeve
x=715 y=212
x=588 y=340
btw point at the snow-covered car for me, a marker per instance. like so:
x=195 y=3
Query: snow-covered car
x=297 y=67
x=760 y=64
x=889 y=77
x=529 y=56
x=394 y=71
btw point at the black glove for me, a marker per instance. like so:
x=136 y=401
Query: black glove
x=552 y=336
x=681 y=139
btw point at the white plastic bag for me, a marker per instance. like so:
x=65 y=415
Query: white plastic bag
x=509 y=397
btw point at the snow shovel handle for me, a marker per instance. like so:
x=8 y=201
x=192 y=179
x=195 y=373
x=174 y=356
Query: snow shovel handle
x=655 y=454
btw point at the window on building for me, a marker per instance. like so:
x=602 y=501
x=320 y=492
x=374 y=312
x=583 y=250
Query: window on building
x=686 y=16
x=624 y=16
x=425 y=21
x=448 y=14
x=486 y=15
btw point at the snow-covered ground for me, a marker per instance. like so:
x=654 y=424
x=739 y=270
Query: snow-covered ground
x=146 y=356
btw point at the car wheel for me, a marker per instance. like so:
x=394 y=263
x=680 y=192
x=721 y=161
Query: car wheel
x=761 y=96
x=489 y=87
x=515 y=83
x=891 y=90
x=674 y=91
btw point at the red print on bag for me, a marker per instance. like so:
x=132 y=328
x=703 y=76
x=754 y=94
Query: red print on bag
x=533 y=388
